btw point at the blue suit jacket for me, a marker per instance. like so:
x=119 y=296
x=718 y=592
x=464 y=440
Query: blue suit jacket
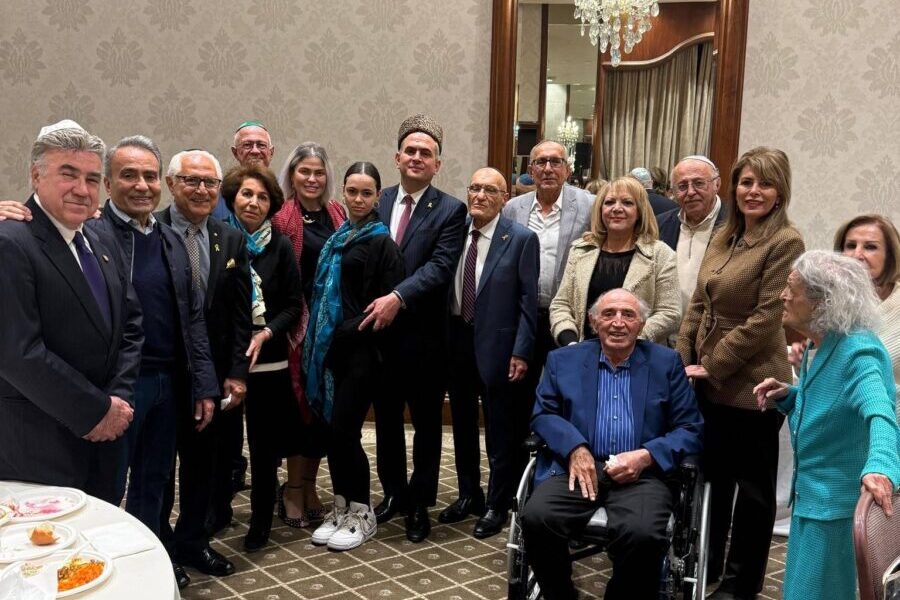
x=431 y=247
x=506 y=300
x=842 y=424
x=666 y=417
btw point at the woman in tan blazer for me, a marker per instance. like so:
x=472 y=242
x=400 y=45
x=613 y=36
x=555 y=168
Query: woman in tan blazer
x=621 y=250
x=731 y=339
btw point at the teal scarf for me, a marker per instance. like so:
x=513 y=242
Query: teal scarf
x=256 y=244
x=326 y=312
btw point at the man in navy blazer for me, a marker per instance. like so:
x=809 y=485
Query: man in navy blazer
x=427 y=224
x=70 y=335
x=493 y=311
x=618 y=415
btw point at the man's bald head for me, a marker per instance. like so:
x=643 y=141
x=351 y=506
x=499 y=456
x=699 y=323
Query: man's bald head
x=486 y=195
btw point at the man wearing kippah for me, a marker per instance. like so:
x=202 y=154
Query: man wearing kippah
x=428 y=225
x=252 y=146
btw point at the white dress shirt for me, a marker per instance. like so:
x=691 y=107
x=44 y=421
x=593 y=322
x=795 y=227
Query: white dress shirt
x=547 y=229
x=67 y=234
x=398 y=209
x=692 y=244
x=484 y=245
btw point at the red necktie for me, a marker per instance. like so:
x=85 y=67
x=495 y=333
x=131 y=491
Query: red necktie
x=404 y=218
x=467 y=310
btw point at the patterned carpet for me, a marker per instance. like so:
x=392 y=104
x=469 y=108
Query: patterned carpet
x=450 y=565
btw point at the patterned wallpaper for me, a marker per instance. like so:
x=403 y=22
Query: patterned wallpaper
x=187 y=72
x=822 y=82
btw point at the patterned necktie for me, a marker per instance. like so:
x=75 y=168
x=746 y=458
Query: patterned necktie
x=468 y=292
x=404 y=218
x=193 y=249
x=91 y=269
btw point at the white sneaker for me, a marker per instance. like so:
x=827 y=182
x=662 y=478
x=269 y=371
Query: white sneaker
x=331 y=523
x=358 y=525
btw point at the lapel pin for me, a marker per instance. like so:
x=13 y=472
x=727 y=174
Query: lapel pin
x=105 y=258
x=429 y=205
x=216 y=246
x=504 y=236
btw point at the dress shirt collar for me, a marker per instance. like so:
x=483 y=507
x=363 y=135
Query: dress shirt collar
x=67 y=234
x=401 y=194
x=132 y=221
x=557 y=206
x=180 y=223
x=711 y=217
x=605 y=362
x=487 y=232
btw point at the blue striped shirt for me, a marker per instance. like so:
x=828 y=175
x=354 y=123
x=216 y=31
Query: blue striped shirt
x=614 y=432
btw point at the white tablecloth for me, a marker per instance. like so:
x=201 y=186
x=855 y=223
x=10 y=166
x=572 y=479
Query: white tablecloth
x=144 y=576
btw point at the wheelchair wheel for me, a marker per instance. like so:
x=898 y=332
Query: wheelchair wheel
x=694 y=586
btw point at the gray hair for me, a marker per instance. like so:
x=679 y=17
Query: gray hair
x=175 y=163
x=133 y=141
x=643 y=307
x=306 y=150
x=842 y=290
x=65 y=139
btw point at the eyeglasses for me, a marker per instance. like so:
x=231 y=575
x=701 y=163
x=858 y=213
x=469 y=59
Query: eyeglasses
x=623 y=315
x=699 y=185
x=491 y=191
x=248 y=146
x=553 y=161
x=194 y=182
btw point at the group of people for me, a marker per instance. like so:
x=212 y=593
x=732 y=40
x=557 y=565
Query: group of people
x=302 y=300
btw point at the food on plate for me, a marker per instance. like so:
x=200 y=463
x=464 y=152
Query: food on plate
x=43 y=534
x=78 y=572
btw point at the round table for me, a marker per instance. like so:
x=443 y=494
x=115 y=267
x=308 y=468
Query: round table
x=144 y=576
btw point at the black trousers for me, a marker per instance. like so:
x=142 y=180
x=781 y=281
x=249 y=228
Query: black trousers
x=543 y=344
x=196 y=455
x=505 y=417
x=229 y=446
x=416 y=381
x=357 y=378
x=271 y=409
x=638 y=514
x=740 y=450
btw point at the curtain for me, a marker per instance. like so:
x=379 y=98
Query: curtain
x=656 y=116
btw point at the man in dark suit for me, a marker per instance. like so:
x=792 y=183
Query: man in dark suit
x=689 y=228
x=427 y=224
x=70 y=336
x=222 y=275
x=618 y=415
x=493 y=310
x=658 y=202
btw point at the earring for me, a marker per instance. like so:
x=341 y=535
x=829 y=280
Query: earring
x=375 y=205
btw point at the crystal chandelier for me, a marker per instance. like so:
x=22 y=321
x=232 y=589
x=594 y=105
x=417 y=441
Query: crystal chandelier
x=567 y=134
x=607 y=19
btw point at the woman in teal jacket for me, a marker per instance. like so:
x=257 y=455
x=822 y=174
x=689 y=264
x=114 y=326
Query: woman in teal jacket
x=842 y=422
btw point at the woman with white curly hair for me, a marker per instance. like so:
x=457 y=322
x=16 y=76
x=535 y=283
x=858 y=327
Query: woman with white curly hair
x=842 y=423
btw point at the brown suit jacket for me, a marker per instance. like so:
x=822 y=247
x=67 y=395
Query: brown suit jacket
x=733 y=324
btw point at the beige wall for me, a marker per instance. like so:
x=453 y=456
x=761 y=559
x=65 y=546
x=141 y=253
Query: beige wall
x=822 y=82
x=341 y=72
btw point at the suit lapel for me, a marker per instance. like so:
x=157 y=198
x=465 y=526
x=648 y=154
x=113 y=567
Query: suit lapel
x=640 y=379
x=568 y=208
x=499 y=244
x=215 y=258
x=422 y=212
x=523 y=211
x=111 y=275
x=54 y=246
x=591 y=365
x=386 y=204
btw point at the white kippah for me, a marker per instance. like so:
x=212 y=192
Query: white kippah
x=702 y=159
x=64 y=124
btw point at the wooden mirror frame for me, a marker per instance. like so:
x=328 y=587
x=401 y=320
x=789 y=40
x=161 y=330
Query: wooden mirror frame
x=730 y=45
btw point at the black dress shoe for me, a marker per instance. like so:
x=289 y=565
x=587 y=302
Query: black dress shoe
x=418 y=525
x=490 y=524
x=462 y=508
x=390 y=506
x=255 y=540
x=210 y=562
x=181 y=577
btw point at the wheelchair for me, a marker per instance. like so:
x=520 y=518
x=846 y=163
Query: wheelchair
x=683 y=572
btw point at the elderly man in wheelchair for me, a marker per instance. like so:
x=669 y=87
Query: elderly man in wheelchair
x=618 y=416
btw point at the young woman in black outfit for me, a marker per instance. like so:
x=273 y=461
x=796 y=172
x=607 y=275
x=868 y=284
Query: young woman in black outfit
x=359 y=263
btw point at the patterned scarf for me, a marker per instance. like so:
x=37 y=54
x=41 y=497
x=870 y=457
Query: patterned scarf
x=289 y=221
x=256 y=244
x=327 y=313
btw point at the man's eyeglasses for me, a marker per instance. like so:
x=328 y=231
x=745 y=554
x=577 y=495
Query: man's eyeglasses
x=248 y=146
x=553 y=161
x=194 y=182
x=699 y=185
x=489 y=190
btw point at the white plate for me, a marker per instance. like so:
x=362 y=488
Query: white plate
x=60 y=501
x=56 y=561
x=5 y=514
x=15 y=544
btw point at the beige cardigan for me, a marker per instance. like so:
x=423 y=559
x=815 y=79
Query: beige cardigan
x=889 y=332
x=652 y=276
